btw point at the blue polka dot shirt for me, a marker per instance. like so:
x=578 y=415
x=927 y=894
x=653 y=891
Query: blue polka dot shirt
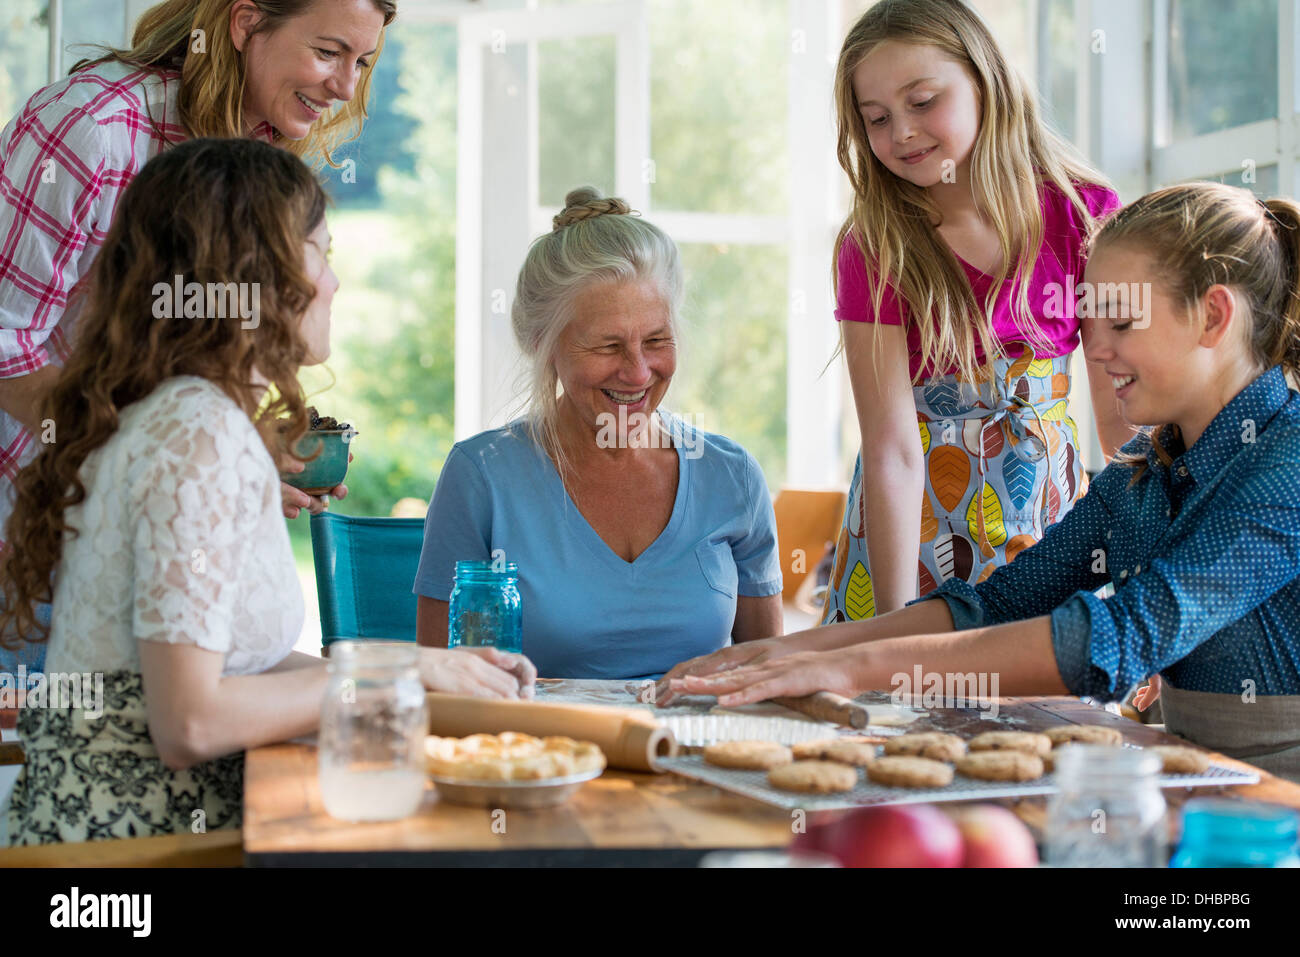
x=1204 y=556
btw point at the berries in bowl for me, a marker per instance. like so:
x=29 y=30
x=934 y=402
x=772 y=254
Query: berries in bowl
x=329 y=441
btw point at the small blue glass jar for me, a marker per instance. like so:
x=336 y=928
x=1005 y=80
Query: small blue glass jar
x=486 y=610
x=1223 y=833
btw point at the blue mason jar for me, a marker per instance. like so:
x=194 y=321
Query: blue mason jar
x=486 y=610
x=1222 y=833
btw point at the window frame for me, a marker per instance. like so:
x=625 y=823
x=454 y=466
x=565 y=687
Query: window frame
x=1137 y=153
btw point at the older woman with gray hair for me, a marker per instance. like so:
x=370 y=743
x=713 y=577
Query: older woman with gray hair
x=641 y=540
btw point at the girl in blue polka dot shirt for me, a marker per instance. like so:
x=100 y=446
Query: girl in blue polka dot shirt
x=1192 y=304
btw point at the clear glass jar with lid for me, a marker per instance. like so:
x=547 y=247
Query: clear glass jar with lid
x=373 y=723
x=1109 y=811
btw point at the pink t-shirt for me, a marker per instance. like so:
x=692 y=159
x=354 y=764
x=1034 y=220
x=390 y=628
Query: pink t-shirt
x=1059 y=261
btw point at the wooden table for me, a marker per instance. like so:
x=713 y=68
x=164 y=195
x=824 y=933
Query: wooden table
x=621 y=818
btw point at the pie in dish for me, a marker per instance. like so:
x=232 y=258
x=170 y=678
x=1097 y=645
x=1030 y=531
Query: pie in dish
x=509 y=756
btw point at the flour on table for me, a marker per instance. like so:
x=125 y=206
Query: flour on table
x=631 y=694
x=879 y=715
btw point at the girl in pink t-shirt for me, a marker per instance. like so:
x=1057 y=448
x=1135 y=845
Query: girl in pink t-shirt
x=977 y=215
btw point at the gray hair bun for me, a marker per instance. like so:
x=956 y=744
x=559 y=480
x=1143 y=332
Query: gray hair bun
x=585 y=202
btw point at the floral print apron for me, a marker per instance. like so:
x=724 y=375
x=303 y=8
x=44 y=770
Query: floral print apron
x=88 y=779
x=1001 y=464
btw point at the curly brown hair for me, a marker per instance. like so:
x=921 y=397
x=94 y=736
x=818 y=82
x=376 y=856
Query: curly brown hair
x=216 y=211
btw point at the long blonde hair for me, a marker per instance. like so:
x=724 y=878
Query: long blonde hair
x=891 y=218
x=212 y=82
x=1198 y=235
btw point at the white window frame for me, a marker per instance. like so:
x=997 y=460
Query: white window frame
x=1112 y=40
x=131 y=10
x=1273 y=141
x=1132 y=146
x=486 y=358
x=493 y=231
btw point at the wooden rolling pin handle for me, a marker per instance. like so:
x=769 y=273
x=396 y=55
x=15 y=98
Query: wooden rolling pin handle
x=828 y=706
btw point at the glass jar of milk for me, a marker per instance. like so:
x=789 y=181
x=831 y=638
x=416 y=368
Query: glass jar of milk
x=372 y=728
x=1109 y=811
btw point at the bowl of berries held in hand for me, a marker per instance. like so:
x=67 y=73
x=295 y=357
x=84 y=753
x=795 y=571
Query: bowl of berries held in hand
x=329 y=441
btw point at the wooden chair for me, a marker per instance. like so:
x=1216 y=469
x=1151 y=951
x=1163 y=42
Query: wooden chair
x=11 y=754
x=806 y=521
x=213 y=849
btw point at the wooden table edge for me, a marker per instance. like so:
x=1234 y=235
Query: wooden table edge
x=262 y=851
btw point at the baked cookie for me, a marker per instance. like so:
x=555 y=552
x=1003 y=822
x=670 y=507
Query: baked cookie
x=1180 y=760
x=928 y=744
x=1084 y=734
x=850 y=753
x=909 y=771
x=813 y=777
x=1027 y=741
x=811 y=750
x=816 y=750
x=1001 y=766
x=748 y=755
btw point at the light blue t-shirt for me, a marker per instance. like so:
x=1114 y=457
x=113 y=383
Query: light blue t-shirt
x=587 y=613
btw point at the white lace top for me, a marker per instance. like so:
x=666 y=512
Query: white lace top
x=182 y=540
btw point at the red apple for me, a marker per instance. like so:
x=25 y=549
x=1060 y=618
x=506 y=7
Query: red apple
x=994 y=837
x=905 y=835
x=815 y=838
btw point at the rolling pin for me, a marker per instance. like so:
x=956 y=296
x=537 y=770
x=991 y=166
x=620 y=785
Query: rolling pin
x=828 y=706
x=629 y=737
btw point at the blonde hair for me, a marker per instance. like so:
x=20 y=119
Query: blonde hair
x=595 y=239
x=212 y=82
x=1199 y=235
x=891 y=218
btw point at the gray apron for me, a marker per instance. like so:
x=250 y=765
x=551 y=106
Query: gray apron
x=1264 y=732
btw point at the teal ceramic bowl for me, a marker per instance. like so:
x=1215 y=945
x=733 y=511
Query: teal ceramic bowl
x=329 y=468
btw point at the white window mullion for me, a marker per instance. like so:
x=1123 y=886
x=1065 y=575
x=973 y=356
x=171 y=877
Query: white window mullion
x=55 y=69
x=1287 y=98
x=1161 y=130
x=813 y=399
x=1111 y=41
x=497 y=212
x=633 y=164
x=1042 y=59
x=1083 y=79
x=469 y=415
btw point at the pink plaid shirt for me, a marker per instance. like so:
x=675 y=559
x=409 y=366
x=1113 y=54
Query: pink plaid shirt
x=64 y=161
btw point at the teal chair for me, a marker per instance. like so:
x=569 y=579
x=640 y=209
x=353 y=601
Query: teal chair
x=365 y=568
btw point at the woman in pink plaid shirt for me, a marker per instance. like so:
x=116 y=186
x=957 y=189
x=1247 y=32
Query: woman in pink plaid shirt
x=292 y=72
x=295 y=72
